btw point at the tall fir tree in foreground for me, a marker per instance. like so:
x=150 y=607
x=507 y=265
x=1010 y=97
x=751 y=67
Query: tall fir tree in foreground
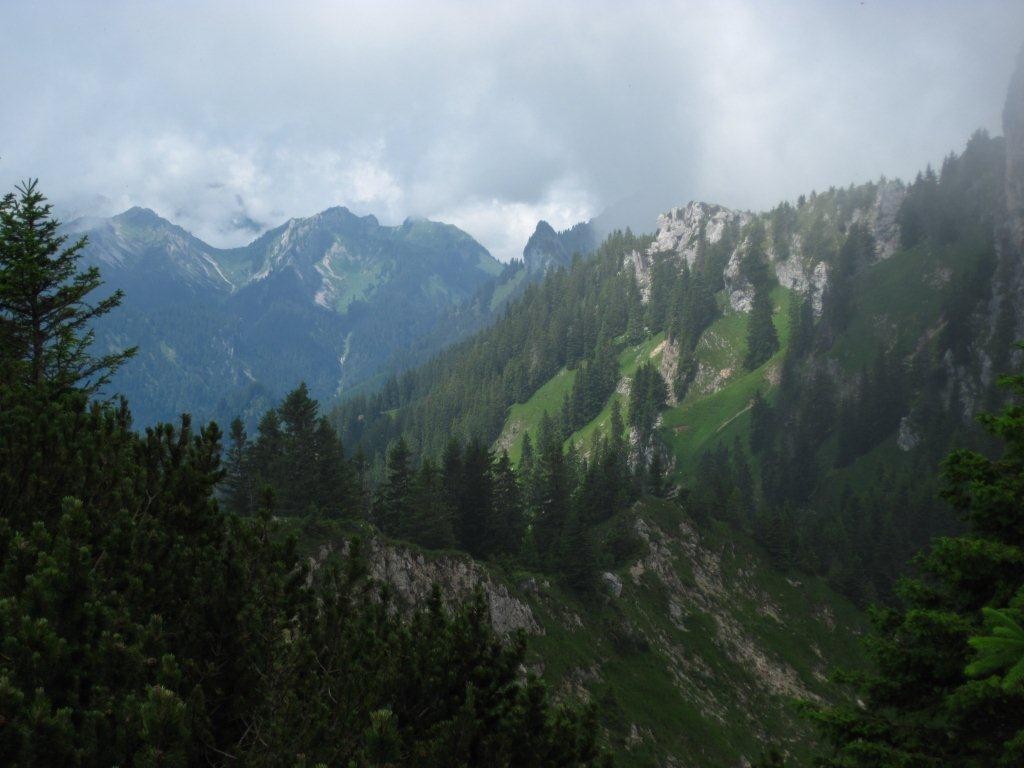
x=45 y=317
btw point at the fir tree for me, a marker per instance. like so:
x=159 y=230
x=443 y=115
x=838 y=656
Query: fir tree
x=44 y=315
x=238 y=490
x=762 y=340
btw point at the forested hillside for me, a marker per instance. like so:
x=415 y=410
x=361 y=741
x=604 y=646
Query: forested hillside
x=228 y=332
x=795 y=376
x=799 y=372
x=744 y=491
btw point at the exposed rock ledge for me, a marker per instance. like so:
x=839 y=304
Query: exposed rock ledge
x=412 y=575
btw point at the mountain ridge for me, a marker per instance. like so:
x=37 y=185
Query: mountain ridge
x=310 y=299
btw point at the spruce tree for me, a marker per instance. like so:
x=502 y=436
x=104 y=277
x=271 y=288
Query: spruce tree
x=506 y=524
x=762 y=340
x=393 y=506
x=45 y=318
x=238 y=487
x=430 y=523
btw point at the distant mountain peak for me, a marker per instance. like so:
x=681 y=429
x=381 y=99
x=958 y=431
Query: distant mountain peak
x=139 y=215
x=547 y=248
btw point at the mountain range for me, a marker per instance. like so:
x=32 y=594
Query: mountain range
x=334 y=300
x=783 y=385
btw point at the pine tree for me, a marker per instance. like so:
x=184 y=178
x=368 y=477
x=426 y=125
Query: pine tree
x=238 y=489
x=762 y=340
x=44 y=316
x=393 y=506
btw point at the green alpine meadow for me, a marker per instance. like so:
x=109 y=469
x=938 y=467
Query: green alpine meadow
x=371 y=396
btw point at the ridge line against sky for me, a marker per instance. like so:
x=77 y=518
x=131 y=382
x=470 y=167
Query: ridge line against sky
x=229 y=118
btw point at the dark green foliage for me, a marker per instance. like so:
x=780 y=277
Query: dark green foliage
x=45 y=321
x=238 y=484
x=936 y=697
x=943 y=208
x=783 y=225
x=431 y=520
x=299 y=455
x=594 y=383
x=857 y=251
x=762 y=340
x=646 y=399
x=393 y=505
x=567 y=318
x=140 y=625
x=550 y=493
x=506 y=524
x=872 y=409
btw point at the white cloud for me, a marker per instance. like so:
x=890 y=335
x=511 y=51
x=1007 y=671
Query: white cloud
x=225 y=116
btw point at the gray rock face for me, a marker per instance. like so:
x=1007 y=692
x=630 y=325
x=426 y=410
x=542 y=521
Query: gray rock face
x=884 y=226
x=412 y=576
x=907 y=438
x=612 y=583
x=1013 y=130
x=547 y=249
x=679 y=229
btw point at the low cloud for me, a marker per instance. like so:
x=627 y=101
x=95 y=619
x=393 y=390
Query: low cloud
x=231 y=117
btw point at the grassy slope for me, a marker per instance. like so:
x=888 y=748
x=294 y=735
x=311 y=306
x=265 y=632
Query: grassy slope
x=702 y=420
x=526 y=417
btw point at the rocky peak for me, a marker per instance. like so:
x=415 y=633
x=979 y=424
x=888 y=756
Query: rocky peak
x=679 y=230
x=547 y=248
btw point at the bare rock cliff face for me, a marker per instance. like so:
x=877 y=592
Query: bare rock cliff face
x=679 y=229
x=1008 y=290
x=1013 y=130
x=412 y=575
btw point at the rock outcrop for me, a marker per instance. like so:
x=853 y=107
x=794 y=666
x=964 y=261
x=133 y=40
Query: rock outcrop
x=882 y=218
x=679 y=230
x=412 y=575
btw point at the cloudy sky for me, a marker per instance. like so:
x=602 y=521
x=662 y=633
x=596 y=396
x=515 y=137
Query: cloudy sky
x=230 y=117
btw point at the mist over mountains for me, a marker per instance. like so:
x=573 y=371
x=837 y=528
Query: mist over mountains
x=327 y=299
x=729 y=480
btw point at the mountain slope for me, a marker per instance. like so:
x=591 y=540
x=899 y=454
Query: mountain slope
x=695 y=652
x=889 y=312
x=547 y=248
x=226 y=332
